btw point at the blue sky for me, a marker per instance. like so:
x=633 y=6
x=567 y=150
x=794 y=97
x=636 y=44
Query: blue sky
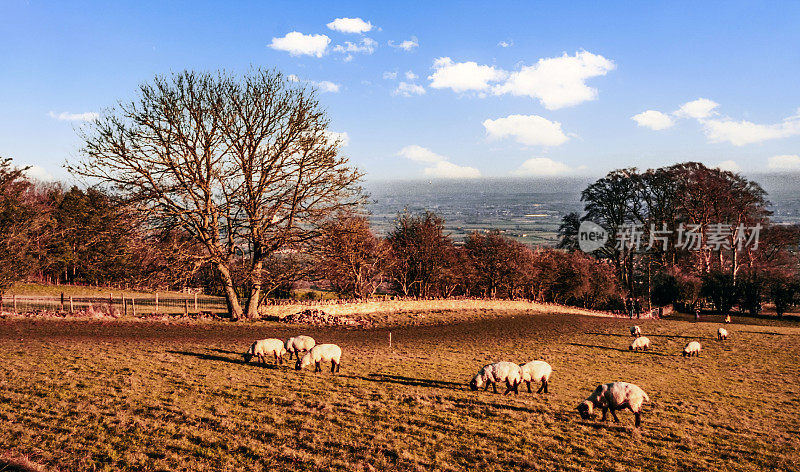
x=437 y=89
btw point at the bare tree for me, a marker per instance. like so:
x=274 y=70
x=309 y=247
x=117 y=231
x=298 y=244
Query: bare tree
x=244 y=166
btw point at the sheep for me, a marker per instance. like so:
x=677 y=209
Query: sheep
x=692 y=349
x=615 y=396
x=264 y=347
x=640 y=343
x=298 y=344
x=722 y=334
x=507 y=372
x=322 y=353
x=636 y=331
x=537 y=371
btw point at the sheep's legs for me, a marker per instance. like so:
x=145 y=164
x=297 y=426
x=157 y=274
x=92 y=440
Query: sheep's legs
x=317 y=368
x=605 y=410
x=494 y=387
x=614 y=414
x=529 y=386
x=334 y=367
x=543 y=388
x=638 y=418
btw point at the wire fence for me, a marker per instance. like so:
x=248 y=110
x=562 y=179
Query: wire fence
x=120 y=305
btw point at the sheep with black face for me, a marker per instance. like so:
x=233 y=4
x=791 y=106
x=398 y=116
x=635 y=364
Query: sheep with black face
x=615 y=396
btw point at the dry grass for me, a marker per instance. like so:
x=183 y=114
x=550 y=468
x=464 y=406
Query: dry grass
x=174 y=396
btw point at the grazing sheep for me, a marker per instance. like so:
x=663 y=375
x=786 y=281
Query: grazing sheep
x=692 y=349
x=615 y=396
x=640 y=343
x=636 y=331
x=722 y=334
x=536 y=371
x=296 y=345
x=322 y=353
x=507 y=372
x=264 y=347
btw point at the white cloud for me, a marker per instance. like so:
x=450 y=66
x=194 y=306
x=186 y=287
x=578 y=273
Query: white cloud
x=325 y=86
x=297 y=44
x=729 y=166
x=532 y=130
x=463 y=76
x=408 y=89
x=505 y=44
x=697 y=109
x=66 y=116
x=406 y=45
x=366 y=46
x=558 y=82
x=443 y=169
x=448 y=170
x=420 y=154
x=740 y=133
x=390 y=75
x=350 y=25
x=322 y=85
x=410 y=75
x=653 y=119
x=785 y=162
x=343 y=137
x=542 y=167
x=39 y=173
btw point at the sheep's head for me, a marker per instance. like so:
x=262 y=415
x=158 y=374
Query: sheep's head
x=306 y=360
x=585 y=409
x=247 y=356
x=476 y=383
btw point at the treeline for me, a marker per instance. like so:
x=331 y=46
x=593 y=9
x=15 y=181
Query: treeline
x=693 y=236
x=418 y=258
x=52 y=234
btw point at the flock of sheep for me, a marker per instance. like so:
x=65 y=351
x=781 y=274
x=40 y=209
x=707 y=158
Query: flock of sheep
x=313 y=352
x=612 y=396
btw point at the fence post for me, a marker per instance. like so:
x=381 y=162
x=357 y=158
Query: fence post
x=133 y=306
x=62 y=301
x=124 y=306
x=195 y=302
x=156 y=302
x=186 y=307
x=390 y=339
x=71 y=306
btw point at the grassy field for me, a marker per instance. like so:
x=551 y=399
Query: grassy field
x=93 y=395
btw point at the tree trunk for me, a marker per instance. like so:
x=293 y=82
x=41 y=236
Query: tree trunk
x=234 y=308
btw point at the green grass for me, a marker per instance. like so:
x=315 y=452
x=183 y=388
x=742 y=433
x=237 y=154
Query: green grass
x=175 y=396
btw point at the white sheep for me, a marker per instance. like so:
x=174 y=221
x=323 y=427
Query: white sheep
x=692 y=349
x=536 y=371
x=636 y=331
x=507 y=372
x=615 y=396
x=640 y=343
x=322 y=353
x=264 y=347
x=297 y=344
x=722 y=334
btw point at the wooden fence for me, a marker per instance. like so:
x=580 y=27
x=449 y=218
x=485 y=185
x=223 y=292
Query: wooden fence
x=121 y=305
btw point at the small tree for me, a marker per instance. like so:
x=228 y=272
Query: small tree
x=351 y=257
x=18 y=222
x=423 y=255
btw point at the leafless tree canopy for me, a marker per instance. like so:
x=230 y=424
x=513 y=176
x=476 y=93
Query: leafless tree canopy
x=243 y=165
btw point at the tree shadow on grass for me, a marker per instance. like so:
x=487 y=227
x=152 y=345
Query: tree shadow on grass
x=223 y=351
x=411 y=381
x=212 y=357
x=608 y=348
x=649 y=336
